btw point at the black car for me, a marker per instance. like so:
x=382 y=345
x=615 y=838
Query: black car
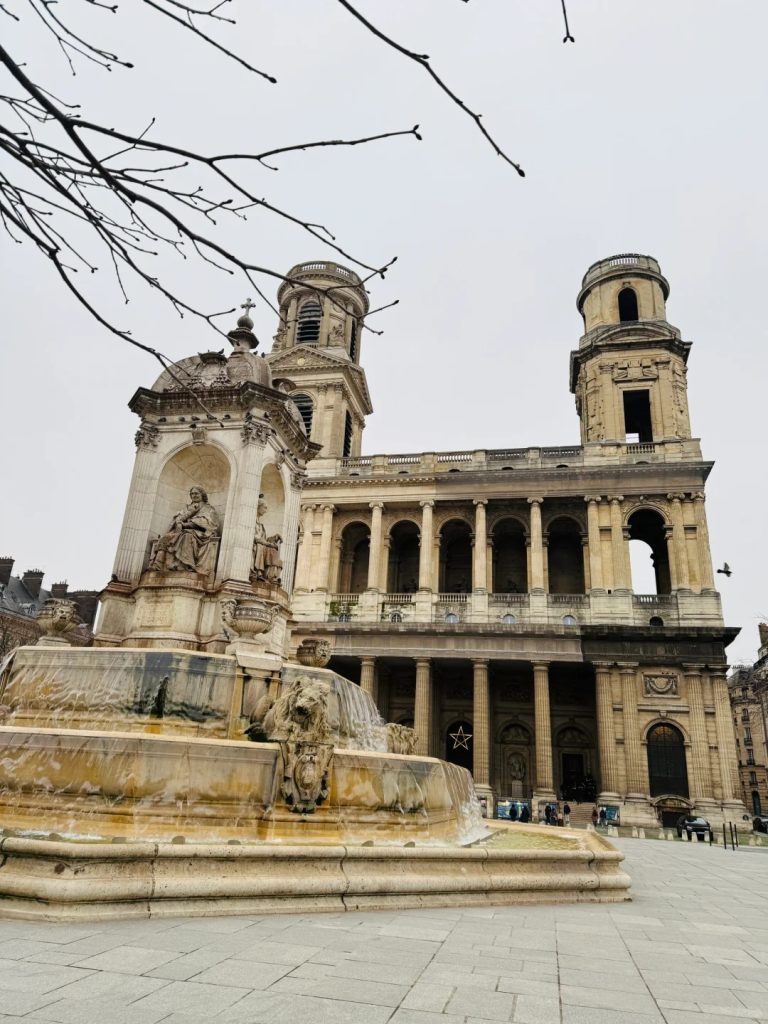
x=692 y=825
x=760 y=823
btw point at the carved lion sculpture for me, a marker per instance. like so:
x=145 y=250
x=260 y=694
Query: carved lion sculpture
x=300 y=713
x=400 y=739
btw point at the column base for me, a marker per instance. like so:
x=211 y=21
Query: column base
x=607 y=797
x=637 y=809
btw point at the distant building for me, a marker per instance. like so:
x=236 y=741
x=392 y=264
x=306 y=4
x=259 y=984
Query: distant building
x=22 y=597
x=748 y=691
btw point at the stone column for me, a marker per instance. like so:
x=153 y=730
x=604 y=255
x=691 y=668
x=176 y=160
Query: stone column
x=637 y=772
x=324 y=557
x=304 y=560
x=621 y=580
x=606 y=734
x=543 y=723
x=671 y=557
x=702 y=538
x=134 y=535
x=479 y=566
x=678 y=542
x=426 y=546
x=291 y=322
x=593 y=540
x=374 y=557
x=699 y=771
x=422 y=716
x=236 y=556
x=368 y=676
x=481 y=727
x=537 y=547
x=726 y=743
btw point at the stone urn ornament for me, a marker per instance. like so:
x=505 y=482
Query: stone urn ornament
x=57 y=617
x=244 y=618
x=314 y=653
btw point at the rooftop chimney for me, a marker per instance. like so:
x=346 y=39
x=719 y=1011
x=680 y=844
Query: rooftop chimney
x=6 y=568
x=59 y=589
x=33 y=580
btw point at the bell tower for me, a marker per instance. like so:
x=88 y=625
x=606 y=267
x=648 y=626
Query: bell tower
x=316 y=354
x=629 y=371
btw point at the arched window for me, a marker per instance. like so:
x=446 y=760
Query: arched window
x=650 y=575
x=627 y=305
x=569 y=620
x=456 y=557
x=508 y=620
x=667 y=770
x=656 y=621
x=347 y=436
x=510 y=574
x=396 y=617
x=565 y=557
x=304 y=404
x=353 y=564
x=451 y=618
x=403 y=572
x=353 y=342
x=308 y=331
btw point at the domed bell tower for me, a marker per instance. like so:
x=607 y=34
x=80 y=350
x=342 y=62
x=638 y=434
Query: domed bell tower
x=629 y=371
x=316 y=354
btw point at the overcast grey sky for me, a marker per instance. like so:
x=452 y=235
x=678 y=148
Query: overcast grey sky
x=647 y=135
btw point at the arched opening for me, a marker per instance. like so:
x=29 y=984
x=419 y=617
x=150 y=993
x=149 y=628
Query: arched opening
x=649 y=568
x=353 y=342
x=565 y=557
x=656 y=621
x=627 y=305
x=305 y=406
x=458 y=744
x=355 y=552
x=403 y=574
x=510 y=568
x=308 y=327
x=667 y=770
x=202 y=466
x=757 y=805
x=455 y=557
x=347 y=451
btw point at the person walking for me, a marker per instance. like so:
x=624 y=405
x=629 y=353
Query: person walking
x=567 y=814
x=603 y=817
x=595 y=817
x=525 y=814
x=548 y=814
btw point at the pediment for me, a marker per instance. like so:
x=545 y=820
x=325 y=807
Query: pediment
x=297 y=362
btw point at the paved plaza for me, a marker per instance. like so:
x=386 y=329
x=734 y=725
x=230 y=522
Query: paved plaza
x=692 y=948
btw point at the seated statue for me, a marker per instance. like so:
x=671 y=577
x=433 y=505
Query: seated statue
x=267 y=566
x=192 y=540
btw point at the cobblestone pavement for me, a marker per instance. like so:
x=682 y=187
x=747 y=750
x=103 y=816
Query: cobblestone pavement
x=692 y=948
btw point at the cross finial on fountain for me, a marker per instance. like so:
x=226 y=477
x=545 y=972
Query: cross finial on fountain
x=248 y=305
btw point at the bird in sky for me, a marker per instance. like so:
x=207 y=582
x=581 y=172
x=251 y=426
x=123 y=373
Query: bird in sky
x=726 y=570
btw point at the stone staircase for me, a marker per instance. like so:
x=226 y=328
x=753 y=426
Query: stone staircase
x=581 y=815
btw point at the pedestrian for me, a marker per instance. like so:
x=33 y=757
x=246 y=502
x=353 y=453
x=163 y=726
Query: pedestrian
x=603 y=817
x=548 y=815
x=567 y=814
x=525 y=814
x=513 y=812
x=595 y=817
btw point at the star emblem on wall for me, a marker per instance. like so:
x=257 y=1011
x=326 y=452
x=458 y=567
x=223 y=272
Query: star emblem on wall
x=460 y=738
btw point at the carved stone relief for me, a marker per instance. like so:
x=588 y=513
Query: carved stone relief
x=660 y=686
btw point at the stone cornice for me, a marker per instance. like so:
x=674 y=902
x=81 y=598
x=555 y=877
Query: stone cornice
x=623 y=338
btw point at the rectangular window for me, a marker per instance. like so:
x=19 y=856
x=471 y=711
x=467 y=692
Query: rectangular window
x=637 y=417
x=753 y=778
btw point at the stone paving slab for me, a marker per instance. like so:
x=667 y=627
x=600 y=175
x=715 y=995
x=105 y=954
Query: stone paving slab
x=691 y=948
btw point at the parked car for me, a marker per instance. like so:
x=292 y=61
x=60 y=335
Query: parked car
x=760 y=823
x=693 y=825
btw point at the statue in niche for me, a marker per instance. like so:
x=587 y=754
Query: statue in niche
x=192 y=540
x=267 y=566
x=516 y=766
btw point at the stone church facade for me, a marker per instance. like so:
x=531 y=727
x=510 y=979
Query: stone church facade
x=486 y=597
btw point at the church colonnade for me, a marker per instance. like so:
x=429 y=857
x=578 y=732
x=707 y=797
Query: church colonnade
x=531 y=724
x=539 y=546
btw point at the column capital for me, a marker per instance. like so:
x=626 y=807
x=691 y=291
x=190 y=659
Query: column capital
x=699 y=496
x=309 y=508
x=628 y=667
x=367 y=660
x=692 y=670
x=423 y=662
x=615 y=498
x=589 y=498
x=479 y=501
x=480 y=662
x=675 y=496
x=541 y=666
x=427 y=503
x=535 y=501
x=329 y=508
x=376 y=504
x=603 y=666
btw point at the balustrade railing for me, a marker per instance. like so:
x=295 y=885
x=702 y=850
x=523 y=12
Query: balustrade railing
x=398 y=599
x=452 y=598
x=453 y=457
x=569 y=599
x=642 y=448
x=344 y=598
x=654 y=600
x=508 y=598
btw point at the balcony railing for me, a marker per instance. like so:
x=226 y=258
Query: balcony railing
x=508 y=598
x=569 y=598
x=654 y=600
x=398 y=599
x=452 y=598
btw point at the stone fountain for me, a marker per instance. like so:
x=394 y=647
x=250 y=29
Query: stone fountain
x=191 y=762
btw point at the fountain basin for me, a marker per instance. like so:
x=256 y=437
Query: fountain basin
x=61 y=881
